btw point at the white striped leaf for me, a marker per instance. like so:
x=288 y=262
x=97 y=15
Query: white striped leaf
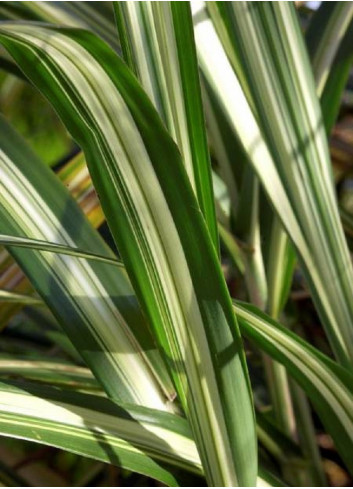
x=51 y=372
x=46 y=370
x=328 y=385
x=93 y=302
x=9 y=296
x=281 y=255
x=158 y=42
x=256 y=44
x=160 y=232
x=75 y=176
x=301 y=192
x=37 y=244
x=85 y=15
x=143 y=440
x=329 y=40
x=281 y=261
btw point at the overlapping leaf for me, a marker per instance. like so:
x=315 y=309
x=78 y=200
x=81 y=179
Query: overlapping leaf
x=144 y=440
x=93 y=302
x=158 y=42
x=296 y=173
x=48 y=371
x=37 y=244
x=75 y=177
x=328 y=385
x=160 y=233
x=95 y=16
x=329 y=40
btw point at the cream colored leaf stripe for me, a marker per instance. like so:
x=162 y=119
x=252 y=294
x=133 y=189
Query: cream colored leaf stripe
x=340 y=17
x=87 y=310
x=328 y=385
x=301 y=192
x=167 y=69
x=191 y=316
x=95 y=427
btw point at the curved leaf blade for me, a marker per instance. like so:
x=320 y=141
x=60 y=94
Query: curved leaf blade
x=139 y=439
x=160 y=233
x=37 y=244
x=328 y=385
x=289 y=114
x=83 y=295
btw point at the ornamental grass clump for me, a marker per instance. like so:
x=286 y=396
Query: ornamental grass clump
x=203 y=130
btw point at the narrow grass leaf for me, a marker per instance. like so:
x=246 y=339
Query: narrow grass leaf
x=94 y=302
x=328 y=385
x=143 y=440
x=324 y=36
x=280 y=267
x=159 y=43
x=36 y=244
x=160 y=232
x=9 y=296
x=287 y=107
x=48 y=371
x=329 y=40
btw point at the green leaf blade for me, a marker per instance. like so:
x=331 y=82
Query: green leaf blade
x=34 y=204
x=329 y=39
x=36 y=244
x=143 y=440
x=324 y=36
x=328 y=385
x=287 y=126
x=159 y=44
x=160 y=233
